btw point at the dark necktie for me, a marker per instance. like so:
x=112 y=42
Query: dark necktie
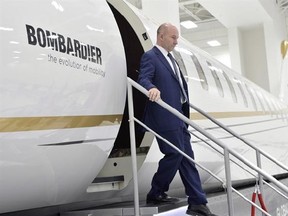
x=177 y=74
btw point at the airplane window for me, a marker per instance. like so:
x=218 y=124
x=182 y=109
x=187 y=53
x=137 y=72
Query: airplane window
x=251 y=96
x=232 y=90
x=276 y=109
x=282 y=110
x=216 y=78
x=267 y=103
x=259 y=99
x=200 y=72
x=180 y=62
x=238 y=82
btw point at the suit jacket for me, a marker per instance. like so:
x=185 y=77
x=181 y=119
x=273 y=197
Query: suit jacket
x=155 y=71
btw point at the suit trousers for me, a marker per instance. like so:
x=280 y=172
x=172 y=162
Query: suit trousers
x=173 y=161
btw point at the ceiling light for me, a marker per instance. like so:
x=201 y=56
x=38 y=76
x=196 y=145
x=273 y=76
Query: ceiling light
x=188 y=24
x=6 y=28
x=213 y=43
x=57 y=6
x=94 y=29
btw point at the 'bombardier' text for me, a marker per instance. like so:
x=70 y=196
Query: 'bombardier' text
x=58 y=42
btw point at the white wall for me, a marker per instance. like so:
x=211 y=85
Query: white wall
x=162 y=11
x=254 y=57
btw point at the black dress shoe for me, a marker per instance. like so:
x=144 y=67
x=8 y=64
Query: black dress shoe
x=199 y=210
x=160 y=199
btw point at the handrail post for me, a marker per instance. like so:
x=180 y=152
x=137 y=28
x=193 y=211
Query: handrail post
x=133 y=148
x=228 y=182
x=260 y=177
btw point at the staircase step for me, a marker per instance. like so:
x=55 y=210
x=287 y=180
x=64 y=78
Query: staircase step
x=105 y=183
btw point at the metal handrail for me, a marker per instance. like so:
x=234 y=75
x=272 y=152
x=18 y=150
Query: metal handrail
x=227 y=151
x=202 y=167
x=233 y=133
x=258 y=151
x=237 y=164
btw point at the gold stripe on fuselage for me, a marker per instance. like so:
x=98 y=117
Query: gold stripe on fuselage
x=218 y=115
x=14 y=124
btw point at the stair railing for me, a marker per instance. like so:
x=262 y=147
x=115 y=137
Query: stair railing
x=227 y=151
x=239 y=165
x=258 y=151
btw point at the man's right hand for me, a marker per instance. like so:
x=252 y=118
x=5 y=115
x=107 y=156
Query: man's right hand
x=154 y=94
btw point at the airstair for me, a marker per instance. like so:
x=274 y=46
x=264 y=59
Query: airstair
x=231 y=197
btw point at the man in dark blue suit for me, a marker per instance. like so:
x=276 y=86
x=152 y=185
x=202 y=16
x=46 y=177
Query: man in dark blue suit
x=159 y=74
